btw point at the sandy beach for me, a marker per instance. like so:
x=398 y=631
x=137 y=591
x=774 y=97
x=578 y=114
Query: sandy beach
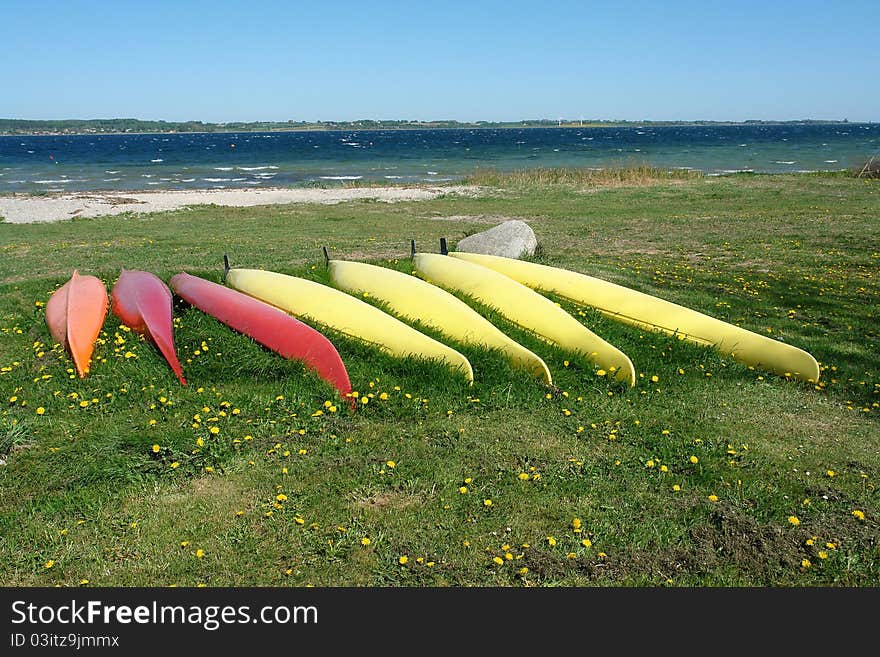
x=28 y=208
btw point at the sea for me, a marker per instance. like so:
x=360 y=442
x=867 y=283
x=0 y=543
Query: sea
x=175 y=161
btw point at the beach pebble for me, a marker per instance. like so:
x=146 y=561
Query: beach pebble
x=511 y=239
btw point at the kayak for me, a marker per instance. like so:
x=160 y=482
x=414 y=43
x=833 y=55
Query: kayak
x=652 y=313
x=414 y=300
x=525 y=308
x=75 y=314
x=346 y=314
x=269 y=326
x=143 y=303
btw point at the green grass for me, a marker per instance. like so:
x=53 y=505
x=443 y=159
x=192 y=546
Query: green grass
x=795 y=257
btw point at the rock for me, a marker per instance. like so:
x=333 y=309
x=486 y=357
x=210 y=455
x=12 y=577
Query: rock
x=511 y=239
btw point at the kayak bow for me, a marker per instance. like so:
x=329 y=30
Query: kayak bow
x=75 y=314
x=143 y=303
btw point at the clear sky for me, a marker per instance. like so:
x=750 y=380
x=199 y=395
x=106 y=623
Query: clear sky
x=466 y=60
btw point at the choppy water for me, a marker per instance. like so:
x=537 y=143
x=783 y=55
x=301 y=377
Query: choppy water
x=282 y=159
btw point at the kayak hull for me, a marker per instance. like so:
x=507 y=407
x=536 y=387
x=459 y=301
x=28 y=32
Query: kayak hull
x=331 y=308
x=525 y=308
x=269 y=326
x=143 y=303
x=652 y=313
x=75 y=314
x=413 y=299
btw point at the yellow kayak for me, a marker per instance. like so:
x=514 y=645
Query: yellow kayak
x=652 y=313
x=413 y=299
x=341 y=312
x=525 y=308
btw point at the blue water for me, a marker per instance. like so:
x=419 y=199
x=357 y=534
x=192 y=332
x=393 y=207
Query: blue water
x=283 y=159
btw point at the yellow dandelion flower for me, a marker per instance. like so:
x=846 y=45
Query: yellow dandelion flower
x=551 y=541
x=831 y=473
x=523 y=571
x=859 y=515
x=823 y=554
x=663 y=468
x=805 y=563
x=587 y=543
x=391 y=464
x=40 y=410
x=794 y=520
x=601 y=373
x=498 y=560
x=175 y=465
x=487 y=502
x=49 y=564
x=402 y=560
x=576 y=524
x=365 y=541
x=676 y=487
x=655 y=378
x=463 y=490
x=694 y=460
x=214 y=430
x=156 y=449
x=281 y=497
x=713 y=498
x=200 y=553
x=523 y=476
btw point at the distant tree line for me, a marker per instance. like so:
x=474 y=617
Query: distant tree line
x=106 y=126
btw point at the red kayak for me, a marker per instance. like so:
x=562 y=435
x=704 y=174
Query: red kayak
x=267 y=325
x=143 y=303
x=75 y=314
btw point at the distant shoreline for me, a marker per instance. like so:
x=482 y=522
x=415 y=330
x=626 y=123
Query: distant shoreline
x=355 y=126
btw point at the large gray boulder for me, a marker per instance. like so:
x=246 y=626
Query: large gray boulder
x=511 y=239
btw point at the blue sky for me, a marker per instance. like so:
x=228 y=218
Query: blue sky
x=495 y=61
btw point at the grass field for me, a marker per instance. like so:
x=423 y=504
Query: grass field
x=706 y=473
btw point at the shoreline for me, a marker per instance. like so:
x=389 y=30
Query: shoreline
x=24 y=208
x=344 y=128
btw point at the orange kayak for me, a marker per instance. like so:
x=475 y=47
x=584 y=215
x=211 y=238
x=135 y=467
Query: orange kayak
x=75 y=314
x=143 y=303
